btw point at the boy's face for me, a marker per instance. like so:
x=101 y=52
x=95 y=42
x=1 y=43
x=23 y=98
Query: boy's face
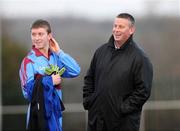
x=40 y=38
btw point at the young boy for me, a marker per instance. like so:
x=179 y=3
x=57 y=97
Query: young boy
x=45 y=52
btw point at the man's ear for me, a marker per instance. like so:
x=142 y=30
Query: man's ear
x=132 y=30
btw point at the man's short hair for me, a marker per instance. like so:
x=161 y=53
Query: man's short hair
x=42 y=24
x=127 y=16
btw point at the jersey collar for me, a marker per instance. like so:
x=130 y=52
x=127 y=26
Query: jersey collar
x=38 y=53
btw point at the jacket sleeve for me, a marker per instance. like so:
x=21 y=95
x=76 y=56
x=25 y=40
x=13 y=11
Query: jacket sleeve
x=72 y=67
x=89 y=82
x=26 y=74
x=142 y=82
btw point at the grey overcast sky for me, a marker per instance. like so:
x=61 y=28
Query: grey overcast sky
x=95 y=9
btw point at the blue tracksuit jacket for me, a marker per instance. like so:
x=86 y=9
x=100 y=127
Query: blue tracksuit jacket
x=34 y=64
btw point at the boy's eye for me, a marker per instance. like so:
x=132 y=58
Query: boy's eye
x=40 y=34
x=33 y=34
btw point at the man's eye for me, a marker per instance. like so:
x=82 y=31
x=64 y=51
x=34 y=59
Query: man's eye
x=121 y=27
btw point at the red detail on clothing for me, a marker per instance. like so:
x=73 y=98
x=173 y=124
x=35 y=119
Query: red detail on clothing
x=25 y=62
x=58 y=86
x=38 y=76
x=38 y=53
x=22 y=81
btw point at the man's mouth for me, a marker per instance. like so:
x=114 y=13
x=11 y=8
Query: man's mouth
x=118 y=35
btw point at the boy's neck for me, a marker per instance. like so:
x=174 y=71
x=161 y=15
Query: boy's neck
x=44 y=51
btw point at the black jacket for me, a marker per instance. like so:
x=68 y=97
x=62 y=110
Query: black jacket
x=37 y=119
x=117 y=85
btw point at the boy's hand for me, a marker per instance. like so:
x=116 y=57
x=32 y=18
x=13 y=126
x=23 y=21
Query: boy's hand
x=56 y=79
x=54 y=46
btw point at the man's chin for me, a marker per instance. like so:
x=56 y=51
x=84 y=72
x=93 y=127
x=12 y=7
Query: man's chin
x=117 y=40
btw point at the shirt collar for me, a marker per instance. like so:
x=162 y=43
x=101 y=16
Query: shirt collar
x=112 y=43
x=116 y=46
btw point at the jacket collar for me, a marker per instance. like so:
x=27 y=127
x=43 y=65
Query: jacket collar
x=124 y=46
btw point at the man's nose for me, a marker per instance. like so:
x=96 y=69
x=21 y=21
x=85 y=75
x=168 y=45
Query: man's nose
x=117 y=29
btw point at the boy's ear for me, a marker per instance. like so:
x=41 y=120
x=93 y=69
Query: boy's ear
x=50 y=36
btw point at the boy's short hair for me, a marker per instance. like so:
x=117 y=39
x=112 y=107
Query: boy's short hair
x=42 y=24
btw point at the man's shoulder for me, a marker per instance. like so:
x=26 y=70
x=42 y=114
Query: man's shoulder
x=139 y=52
x=102 y=47
x=137 y=49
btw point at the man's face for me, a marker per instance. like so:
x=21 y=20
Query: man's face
x=40 y=38
x=122 y=29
